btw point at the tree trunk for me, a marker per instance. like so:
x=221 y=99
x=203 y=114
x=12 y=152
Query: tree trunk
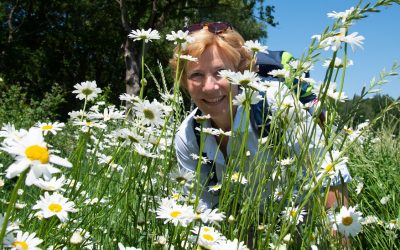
x=132 y=69
x=130 y=57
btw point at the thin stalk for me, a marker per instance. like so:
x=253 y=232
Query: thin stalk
x=143 y=81
x=11 y=204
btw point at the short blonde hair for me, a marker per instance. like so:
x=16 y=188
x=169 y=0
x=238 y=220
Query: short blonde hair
x=230 y=42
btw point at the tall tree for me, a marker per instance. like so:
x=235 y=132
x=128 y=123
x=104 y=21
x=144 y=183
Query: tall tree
x=69 y=41
x=249 y=17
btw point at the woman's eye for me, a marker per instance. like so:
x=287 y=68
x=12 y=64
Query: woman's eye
x=195 y=75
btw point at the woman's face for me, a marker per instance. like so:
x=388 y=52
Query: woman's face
x=208 y=90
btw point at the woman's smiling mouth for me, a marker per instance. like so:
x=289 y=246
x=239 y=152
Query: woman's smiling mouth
x=214 y=100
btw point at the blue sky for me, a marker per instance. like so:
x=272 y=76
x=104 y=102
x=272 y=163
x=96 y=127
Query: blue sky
x=299 y=20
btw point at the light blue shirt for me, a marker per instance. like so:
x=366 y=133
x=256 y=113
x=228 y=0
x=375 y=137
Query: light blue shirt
x=258 y=164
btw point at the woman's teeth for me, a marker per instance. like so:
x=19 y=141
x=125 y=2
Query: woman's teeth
x=214 y=100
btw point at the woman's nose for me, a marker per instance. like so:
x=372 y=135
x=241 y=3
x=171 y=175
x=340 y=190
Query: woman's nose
x=211 y=83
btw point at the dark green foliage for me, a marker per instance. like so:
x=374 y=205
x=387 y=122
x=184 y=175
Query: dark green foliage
x=18 y=108
x=68 y=42
x=368 y=109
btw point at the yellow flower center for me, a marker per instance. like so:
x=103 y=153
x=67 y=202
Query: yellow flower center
x=180 y=179
x=47 y=127
x=148 y=114
x=176 y=196
x=21 y=244
x=292 y=213
x=348 y=220
x=329 y=167
x=244 y=82
x=348 y=131
x=235 y=177
x=133 y=139
x=87 y=91
x=37 y=153
x=54 y=207
x=208 y=237
x=175 y=214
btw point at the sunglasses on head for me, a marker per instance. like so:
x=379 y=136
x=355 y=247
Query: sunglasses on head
x=213 y=27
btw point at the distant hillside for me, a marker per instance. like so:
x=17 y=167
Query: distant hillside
x=361 y=110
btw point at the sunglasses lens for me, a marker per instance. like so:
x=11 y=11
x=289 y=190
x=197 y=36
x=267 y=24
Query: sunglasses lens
x=193 y=28
x=215 y=28
x=218 y=27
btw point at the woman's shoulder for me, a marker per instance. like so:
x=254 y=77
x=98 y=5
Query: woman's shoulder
x=185 y=133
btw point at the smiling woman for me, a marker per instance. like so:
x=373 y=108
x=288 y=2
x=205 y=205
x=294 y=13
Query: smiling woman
x=208 y=90
x=219 y=83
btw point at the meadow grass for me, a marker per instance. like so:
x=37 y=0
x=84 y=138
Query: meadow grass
x=121 y=185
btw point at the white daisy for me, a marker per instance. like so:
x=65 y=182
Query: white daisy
x=188 y=58
x=360 y=186
x=202 y=118
x=76 y=238
x=86 y=90
x=278 y=193
x=286 y=162
x=341 y=15
x=332 y=164
x=170 y=211
x=146 y=35
x=210 y=216
x=87 y=125
x=293 y=214
x=282 y=73
x=9 y=133
x=385 y=199
x=77 y=115
x=51 y=185
x=143 y=152
x=302 y=78
x=214 y=131
x=204 y=159
x=207 y=236
x=230 y=244
x=127 y=137
x=47 y=127
x=54 y=204
x=181 y=175
x=122 y=247
x=255 y=46
x=129 y=98
x=32 y=151
x=301 y=66
x=348 y=221
x=180 y=37
x=227 y=74
x=246 y=78
x=25 y=241
x=334 y=41
x=352 y=134
x=354 y=40
x=393 y=224
x=149 y=113
x=331 y=92
x=238 y=177
x=215 y=187
x=253 y=97
x=338 y=63
x=370 y=219
x=109 y=113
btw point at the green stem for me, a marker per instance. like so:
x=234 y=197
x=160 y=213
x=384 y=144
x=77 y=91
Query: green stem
x=84 y=107
x=142 y=82
x=11 y=204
